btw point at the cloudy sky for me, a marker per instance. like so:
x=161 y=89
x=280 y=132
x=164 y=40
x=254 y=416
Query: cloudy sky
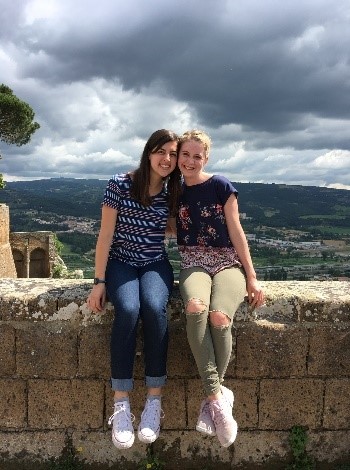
x=269 y=81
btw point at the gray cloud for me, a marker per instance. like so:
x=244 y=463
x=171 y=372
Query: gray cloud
x=272 y=75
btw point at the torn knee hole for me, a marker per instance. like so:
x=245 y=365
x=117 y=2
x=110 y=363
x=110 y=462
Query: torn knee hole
x=219 y=319
x=195 y=306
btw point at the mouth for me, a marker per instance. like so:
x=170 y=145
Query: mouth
x=188 y=168
x=165 y=167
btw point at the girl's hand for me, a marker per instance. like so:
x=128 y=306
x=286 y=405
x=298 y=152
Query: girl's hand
x=256 y=297
x=97 y=298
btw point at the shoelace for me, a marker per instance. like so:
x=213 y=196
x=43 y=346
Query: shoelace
x=219 y=416
x=206 y=408
x=151 y=412
x=120 y=408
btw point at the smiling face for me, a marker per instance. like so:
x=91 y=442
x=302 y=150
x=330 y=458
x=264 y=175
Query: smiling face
x=163 y=160
x=191 y=161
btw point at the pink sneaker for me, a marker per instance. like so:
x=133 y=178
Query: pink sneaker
x=205 y=422
x=225 y=426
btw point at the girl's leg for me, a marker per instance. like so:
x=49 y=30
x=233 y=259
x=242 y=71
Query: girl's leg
x=122 y=285
x=156 y=282
x=123 y=291
x=195 y=288
x=228 y=290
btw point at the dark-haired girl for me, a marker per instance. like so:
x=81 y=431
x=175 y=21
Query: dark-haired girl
x=132 y=267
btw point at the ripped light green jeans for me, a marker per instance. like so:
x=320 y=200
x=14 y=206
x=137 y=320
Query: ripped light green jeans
x=211 y=343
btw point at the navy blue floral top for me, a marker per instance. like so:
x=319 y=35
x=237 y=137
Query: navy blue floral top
x=202 y=233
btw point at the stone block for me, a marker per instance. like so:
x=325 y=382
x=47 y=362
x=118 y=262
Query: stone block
x=245 y=407
x=180 y=359
x=268 y=449
x=7 y=351
x=329 y=351
x=65 y=404
x=328 y=447
x=290 y=402
x=28 y=446
x=337 y=404
x=47 y=351
x=94 y=352
x=185 y=450
x=266 y=349
x=174 y=404
x=195 y=395
x=13 y=407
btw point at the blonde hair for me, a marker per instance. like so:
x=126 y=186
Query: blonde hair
x=198 y=136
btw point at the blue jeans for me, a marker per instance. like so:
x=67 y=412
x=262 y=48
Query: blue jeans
x=139 y=293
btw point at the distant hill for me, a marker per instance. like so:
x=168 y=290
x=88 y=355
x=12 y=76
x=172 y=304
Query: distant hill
x=273 y=205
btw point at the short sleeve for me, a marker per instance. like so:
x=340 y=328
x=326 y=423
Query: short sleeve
x=112 y=194
x=224 y=189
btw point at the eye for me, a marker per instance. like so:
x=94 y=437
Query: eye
x=173 y=154
x=160 y=152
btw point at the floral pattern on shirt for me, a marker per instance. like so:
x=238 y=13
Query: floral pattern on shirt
x=209 y=258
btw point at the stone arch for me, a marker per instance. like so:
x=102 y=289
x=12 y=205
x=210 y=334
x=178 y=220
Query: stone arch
x=19 y=259
x=38 y=263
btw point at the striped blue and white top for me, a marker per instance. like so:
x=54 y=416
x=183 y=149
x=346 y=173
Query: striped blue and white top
x=139 y=232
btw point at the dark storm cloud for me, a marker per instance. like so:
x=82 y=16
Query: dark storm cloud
x=268 y=80
x=265 y=68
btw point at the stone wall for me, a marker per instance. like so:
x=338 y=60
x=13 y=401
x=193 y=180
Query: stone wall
x=290 y=366
x=7 y=266
x=34 y=253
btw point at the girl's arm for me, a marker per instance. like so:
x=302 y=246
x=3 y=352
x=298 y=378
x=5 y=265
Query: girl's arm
x=170 y=229
x=239 y=241
x=97 y=298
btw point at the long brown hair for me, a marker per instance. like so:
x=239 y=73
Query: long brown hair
x=141 y=176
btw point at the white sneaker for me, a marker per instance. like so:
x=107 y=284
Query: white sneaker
x=225 y=426
x=205 y=422
x=123 y=432
x=149 y=426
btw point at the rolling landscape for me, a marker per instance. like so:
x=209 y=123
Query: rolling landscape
x=294 y=232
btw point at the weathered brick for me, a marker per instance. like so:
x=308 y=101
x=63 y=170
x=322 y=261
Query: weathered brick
x=65 y=403
x=337 y=404
x=180 y=359
x=328 y=447
x=289 y=402
x=259 y=448
x=245 y=407
x=48 y=351
x=94 y=352
x=29 y=446
x=13 y=408
x=195 y=395
x=179 y=450
x=7 y=351
x=267 y=349
x=329 y=351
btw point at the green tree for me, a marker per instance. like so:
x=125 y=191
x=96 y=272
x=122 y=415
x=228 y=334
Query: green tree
x=17 y=123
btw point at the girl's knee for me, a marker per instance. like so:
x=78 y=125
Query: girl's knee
x=195 y=306
x=219 y=319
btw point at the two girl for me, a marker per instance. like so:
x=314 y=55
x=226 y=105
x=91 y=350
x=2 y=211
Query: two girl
x=132 y=266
